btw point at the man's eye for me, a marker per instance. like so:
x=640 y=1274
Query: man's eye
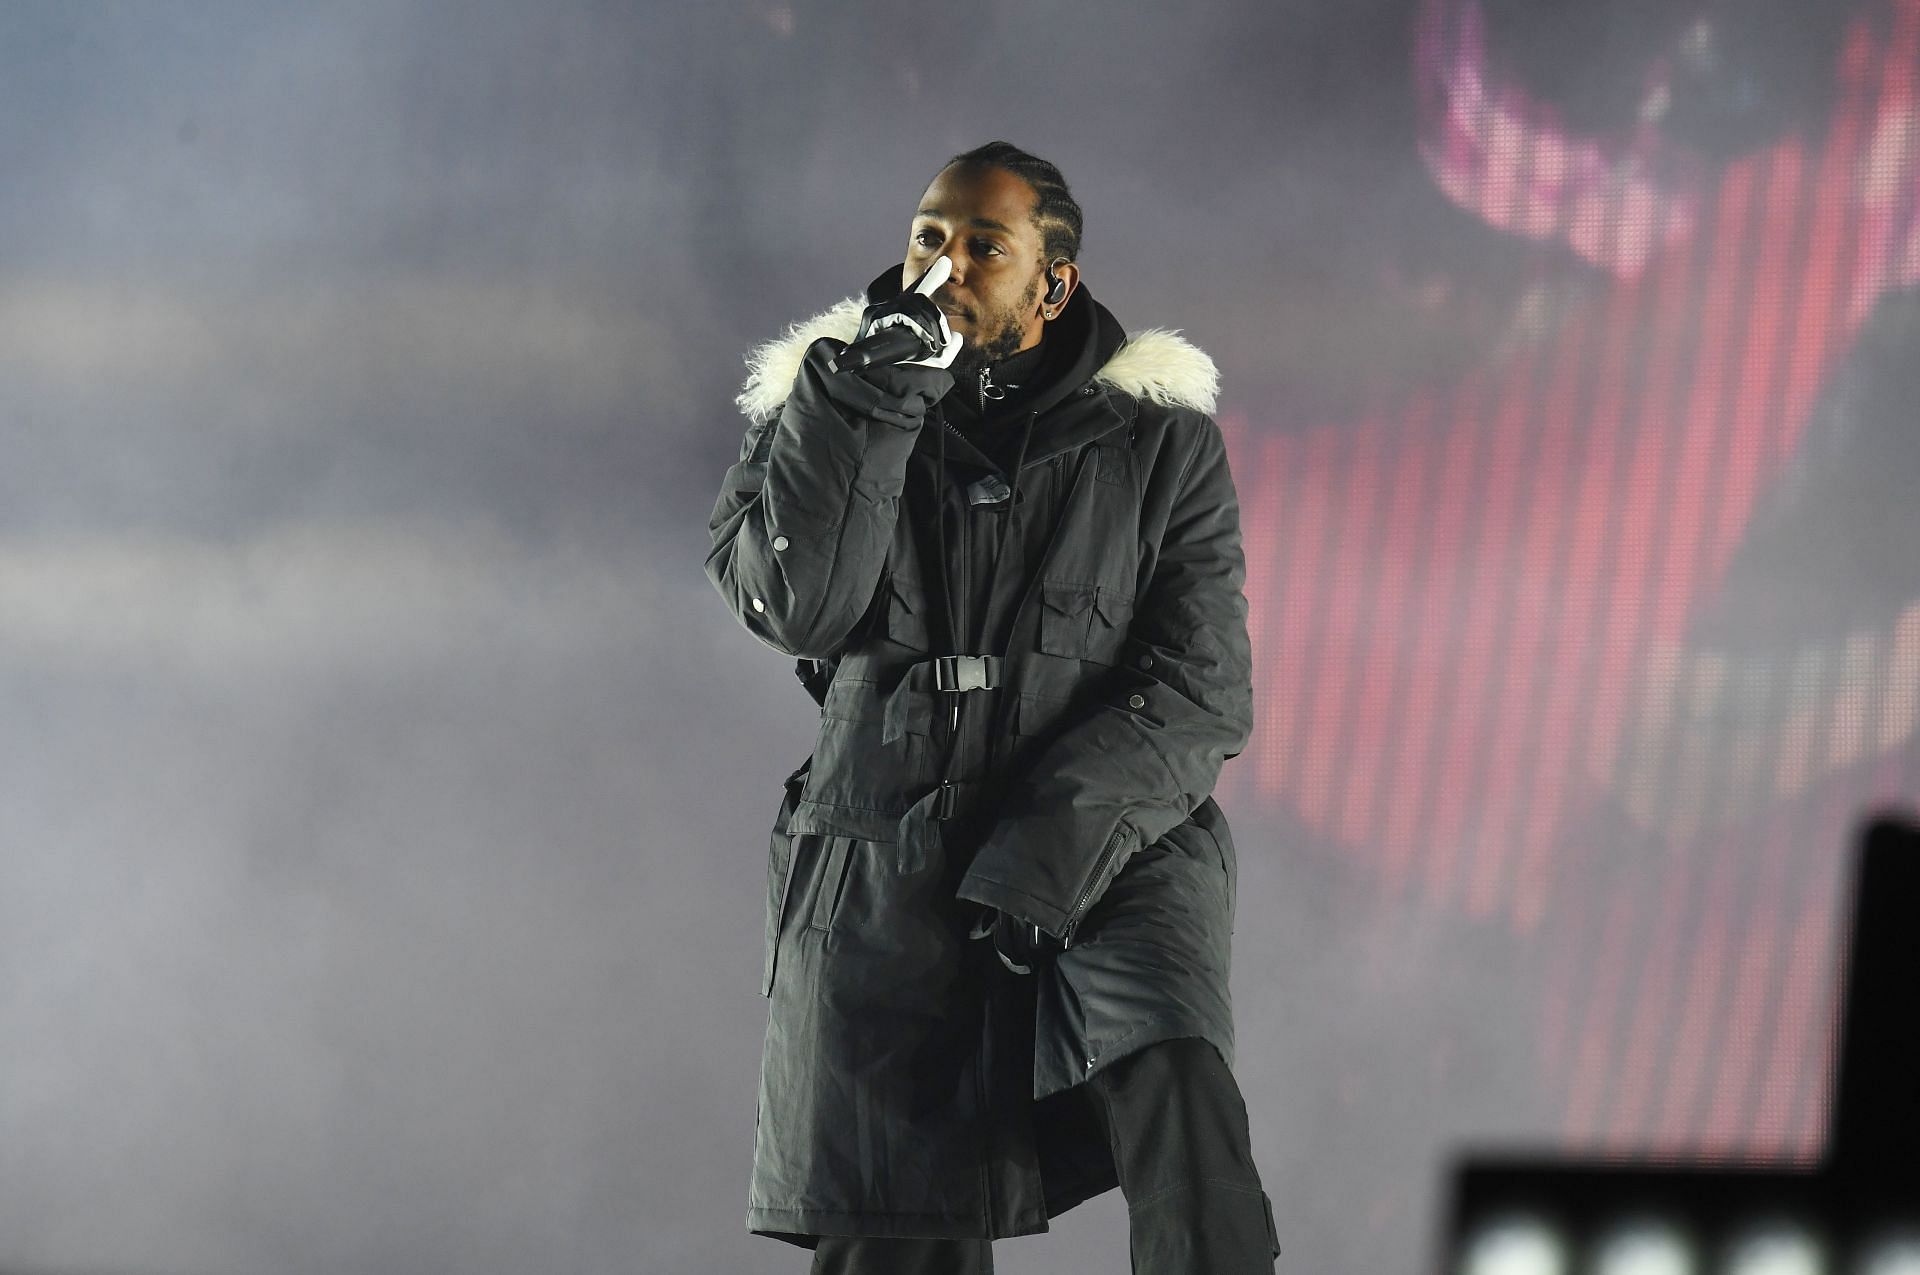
x=919 y=237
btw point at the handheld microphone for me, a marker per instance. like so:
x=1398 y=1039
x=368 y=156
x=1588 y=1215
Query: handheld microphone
x=890 y=344
x=895 y=341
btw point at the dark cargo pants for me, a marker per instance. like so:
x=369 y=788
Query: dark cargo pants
x=1177 y=1124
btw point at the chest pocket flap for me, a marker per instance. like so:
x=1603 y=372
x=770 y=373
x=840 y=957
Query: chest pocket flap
x=1066 y=612
x=1083 y=621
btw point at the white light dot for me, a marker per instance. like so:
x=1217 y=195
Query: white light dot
x=1643 y=1248
x=1515 y=1246
x=1895 y=1254
x=1776 y=1251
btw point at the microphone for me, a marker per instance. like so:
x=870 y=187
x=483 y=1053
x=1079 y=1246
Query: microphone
x=891 y=344
x=896 y=341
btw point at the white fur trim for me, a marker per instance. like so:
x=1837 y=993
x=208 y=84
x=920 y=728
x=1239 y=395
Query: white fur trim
x=1156 y=364
x=1161 y=365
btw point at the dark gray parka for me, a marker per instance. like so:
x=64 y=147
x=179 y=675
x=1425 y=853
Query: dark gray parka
x=911 y=1085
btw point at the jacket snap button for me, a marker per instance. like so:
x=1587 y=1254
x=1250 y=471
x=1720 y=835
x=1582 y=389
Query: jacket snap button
x=779 y=542
x=1146 y=661
x=758 y=605
x=1136 y=701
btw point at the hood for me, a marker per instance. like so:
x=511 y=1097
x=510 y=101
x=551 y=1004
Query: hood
x=1155 y=364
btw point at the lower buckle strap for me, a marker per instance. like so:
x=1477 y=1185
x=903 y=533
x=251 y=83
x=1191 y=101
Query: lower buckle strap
x=950 y=803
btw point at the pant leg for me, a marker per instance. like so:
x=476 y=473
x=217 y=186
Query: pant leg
x=1178 y=1128
x=885 y=1255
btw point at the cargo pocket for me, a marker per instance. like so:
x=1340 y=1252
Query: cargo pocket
x=780 y=871
x=1084 y=621
x=833 y=880
x=906 y=618
x=872 y=758
x=1066 y=612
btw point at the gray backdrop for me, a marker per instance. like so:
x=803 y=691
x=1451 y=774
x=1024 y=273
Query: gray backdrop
x=387 y=791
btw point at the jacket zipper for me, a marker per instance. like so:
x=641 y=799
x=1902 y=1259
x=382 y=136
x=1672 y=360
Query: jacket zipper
x=980 y=390
x=984 y=383
x=1076 y=914
x=966 y=534
x=966 y=560
x=981 y=386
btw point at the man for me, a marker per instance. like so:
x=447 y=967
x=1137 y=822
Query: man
x=1000 y=894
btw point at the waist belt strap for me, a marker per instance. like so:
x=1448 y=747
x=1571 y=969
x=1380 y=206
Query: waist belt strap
x=909 y=705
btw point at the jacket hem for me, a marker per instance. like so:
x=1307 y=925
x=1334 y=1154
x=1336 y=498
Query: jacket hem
x=1073 y=1195
x=803 y=1227
x=1151 y=1031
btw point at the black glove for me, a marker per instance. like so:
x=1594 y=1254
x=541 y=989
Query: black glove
x=939 y=344
x=1019 y=946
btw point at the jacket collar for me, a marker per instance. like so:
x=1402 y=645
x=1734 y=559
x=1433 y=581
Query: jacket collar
x=1155 y=365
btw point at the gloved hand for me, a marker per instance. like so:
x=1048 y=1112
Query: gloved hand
x=927 y=321
x=1019 y=946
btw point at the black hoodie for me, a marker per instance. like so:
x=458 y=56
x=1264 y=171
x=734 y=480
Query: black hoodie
x=1076 y=345
x=988 y=405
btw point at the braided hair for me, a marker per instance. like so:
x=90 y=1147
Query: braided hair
x=1057 y=215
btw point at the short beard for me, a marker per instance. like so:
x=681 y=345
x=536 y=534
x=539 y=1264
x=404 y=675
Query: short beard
x=1004 y=344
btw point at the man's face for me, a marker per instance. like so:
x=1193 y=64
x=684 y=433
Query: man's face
x=982 y=220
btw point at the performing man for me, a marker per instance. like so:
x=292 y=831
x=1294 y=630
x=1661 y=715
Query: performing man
x=1006 y=555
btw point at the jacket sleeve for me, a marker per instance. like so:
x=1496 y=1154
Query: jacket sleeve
x=1149 y=746
x=803 y=522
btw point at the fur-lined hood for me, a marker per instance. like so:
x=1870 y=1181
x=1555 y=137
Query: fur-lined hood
x=1155 y=364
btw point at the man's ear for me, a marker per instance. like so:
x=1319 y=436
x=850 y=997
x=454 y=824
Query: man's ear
x=1057 y=286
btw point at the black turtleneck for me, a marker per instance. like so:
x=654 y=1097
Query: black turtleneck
x=1002 y=389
